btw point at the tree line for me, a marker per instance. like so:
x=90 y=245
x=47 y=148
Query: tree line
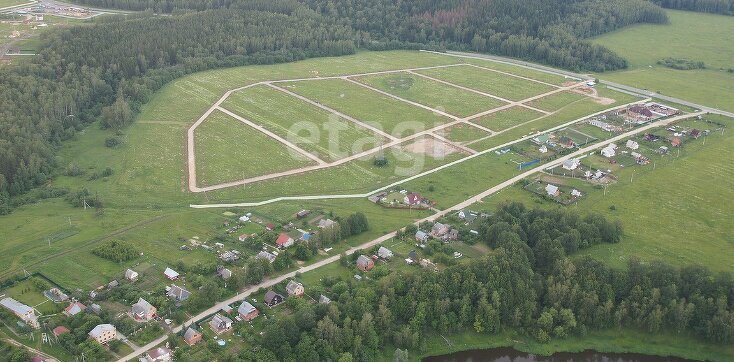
x=528 y=284
x=725 y=7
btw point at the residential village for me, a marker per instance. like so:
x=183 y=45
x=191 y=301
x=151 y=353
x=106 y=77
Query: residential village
x=146 y=300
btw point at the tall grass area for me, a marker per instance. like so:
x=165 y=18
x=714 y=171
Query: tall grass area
x=695 y=36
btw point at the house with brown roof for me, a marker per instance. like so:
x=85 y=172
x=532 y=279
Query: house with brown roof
x=143 y=311
x=220 y=324
x=364 y=263
x=60 y=330
x=247 y=311
x=160 y=354
x=438 y=230
x=294 y=288
x=412 y=198
x=74 y=308
x=272 y=298
x=192 y=336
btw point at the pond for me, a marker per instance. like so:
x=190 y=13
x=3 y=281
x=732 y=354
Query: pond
x=506 y=354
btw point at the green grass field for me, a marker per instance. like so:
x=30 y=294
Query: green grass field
x=695 y=36
x=324 y=134
x=671 y=213
x=227 y=149
x=390 y=115
x=463 y=133
x=434 y=94
x=497 y=84
x=507 y=118
x=556 y=101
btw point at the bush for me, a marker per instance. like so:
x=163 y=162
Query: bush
x=112 y=142
x=681 y=64
x=115 y=250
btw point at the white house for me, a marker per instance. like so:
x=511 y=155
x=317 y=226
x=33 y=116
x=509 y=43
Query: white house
x=552 y=190
x=632 y=145
x=384 y=253
x=170 y=274
x=131 y=275
x=22 y=311
x=571 y=164
x=609 y=150
x=244 y=218
x=543 y=149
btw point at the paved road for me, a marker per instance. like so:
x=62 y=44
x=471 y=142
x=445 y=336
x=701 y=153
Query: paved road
x=478 y=198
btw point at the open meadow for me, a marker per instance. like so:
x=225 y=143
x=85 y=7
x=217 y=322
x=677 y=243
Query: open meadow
x=644 y=45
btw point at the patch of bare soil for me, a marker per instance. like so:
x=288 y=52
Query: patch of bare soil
x=594 y=94
x=431 y=147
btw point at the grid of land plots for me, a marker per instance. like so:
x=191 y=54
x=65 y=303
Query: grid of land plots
x=286 y=127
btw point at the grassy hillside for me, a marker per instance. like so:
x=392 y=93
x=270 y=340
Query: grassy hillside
x=694 y=36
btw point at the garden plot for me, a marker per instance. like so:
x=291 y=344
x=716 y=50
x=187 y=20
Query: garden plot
x=507 y=118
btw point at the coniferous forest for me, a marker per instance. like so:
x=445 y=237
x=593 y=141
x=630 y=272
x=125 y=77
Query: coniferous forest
x=107 y=70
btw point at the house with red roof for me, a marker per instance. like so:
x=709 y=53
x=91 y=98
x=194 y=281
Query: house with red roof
x=284 y=240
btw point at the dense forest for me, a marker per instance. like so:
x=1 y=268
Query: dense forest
x=527 y=284
x=105 y=71
x=725 y=7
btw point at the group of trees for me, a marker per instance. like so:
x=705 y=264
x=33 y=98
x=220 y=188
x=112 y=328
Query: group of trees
x=528 y=284
x=115 y=250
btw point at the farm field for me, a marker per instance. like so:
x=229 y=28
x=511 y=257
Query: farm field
x=644 y=45
x=227 y=150
x=6 y=3
x=317 y=131
x=498 y=84
x=455 y=101
x=392 y=116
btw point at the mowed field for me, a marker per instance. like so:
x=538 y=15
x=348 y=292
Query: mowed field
x=227 y=149
x=498 y=84
x=437 y=95
x=507 y=118
x=324 y=134
x=390 y=115
x=694 y=36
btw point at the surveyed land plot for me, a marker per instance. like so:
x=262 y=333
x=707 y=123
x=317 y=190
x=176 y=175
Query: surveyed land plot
x=391 y=115
x=453 y=100
x=556 y=101
x=322 y=133
x=498 y=84
x=227 y=149
x=507 y=118
x=463 y=132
